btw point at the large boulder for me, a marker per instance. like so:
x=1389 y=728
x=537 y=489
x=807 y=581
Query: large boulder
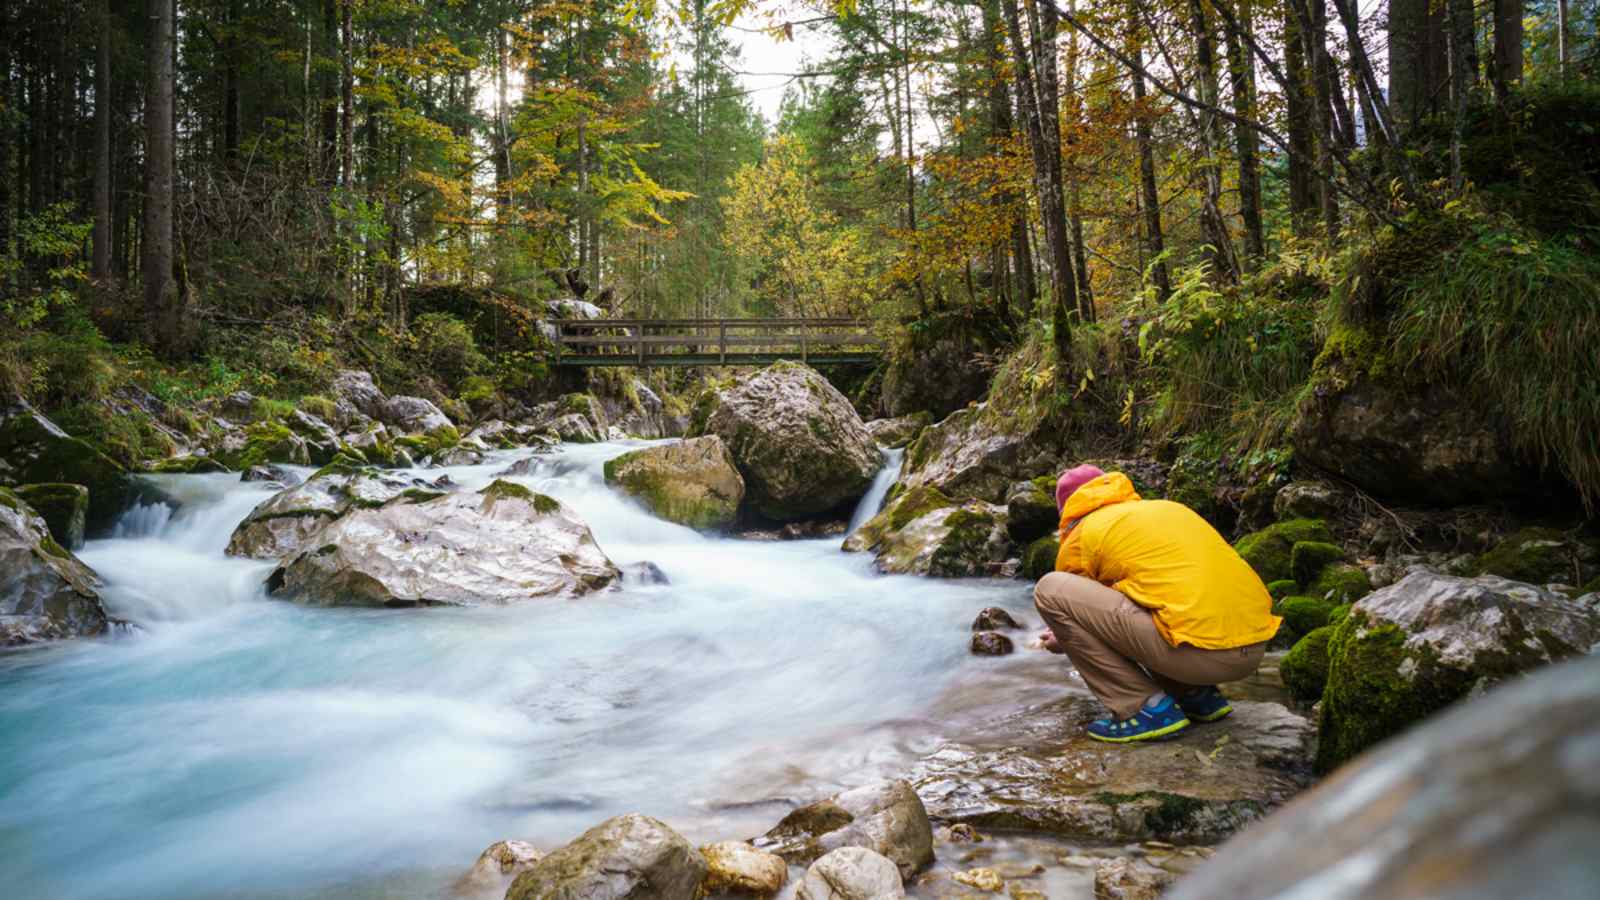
x=886 y=817
x=499 y=864
x=982 y=450
x=322 y=442
x=851 y=873
x=500 y=545
x=33 y=450
x=693 y=482
x=1494 y=799
x=414 y=415
x=46 y=593
x=64 y=508
x=286 y=522
x=923 y=532
x=797 y=441
x=1419 y=645
x=1031 y=511
x=354 y=391
x=630 y=857
x=900 y=431
x=1035 y=769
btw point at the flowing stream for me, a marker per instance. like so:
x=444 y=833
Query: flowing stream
x=240 y=746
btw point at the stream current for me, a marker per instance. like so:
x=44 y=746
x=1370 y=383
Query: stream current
x=239 y=746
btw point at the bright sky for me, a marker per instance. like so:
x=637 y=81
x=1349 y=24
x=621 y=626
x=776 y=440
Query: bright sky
x=775 y=59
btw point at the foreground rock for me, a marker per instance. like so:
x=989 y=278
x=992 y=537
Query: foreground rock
x=851 y=873
x=798 y=443
x=630 y=857
x=46 y=593
x=501 y=862
x=887 y=818
x=1036 y=770
x=923 y=532
x=503 y=544
x=693 y=482
x=982 y=450
x=64 y=508
x=1494 y=799
x=33 y=450
x=1415 y=647
x=286 y=522
x=735 y=867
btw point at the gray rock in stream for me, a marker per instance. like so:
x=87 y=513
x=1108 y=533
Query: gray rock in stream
x=46 y=593
x=630 y=857
x=887 y=817
x=851 y=873
x=286 y=522
x=503 y=544
x=1499 y=797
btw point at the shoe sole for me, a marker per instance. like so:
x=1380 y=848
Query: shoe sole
x=1156 y=735
x=1212 y=717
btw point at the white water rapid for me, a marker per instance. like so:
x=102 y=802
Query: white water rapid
x=240 y=746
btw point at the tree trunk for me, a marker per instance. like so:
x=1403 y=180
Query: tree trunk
x=230 y=85
x=1150 y=197
x=1080 y=250
x=501 y=145
x=8 y=27
x=1247 y=145
x=1302 y=147
x=1507 y=47
x=1459 y=33
x=329 y=92
x=163 y=316
x=100 y=268
x=1313 y=17
x=1219 y=251
x=1562 y=49
x=347 y=104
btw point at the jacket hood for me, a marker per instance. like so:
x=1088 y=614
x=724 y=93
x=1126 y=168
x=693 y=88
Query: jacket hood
x=1112 y=487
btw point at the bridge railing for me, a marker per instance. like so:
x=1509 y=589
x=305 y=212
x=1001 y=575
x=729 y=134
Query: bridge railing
x=711 y=341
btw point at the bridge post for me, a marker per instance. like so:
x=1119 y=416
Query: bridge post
x=805 y=334
x=638 y=337
x=722 y=342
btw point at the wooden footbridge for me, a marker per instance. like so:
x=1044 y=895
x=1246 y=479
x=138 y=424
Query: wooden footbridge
x=713 y=342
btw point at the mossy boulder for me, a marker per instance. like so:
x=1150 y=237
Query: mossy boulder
x=46 y=593
x=1304 y=669
x=1541 y=556
x=1417 y=646
x=923 y=532
x=1302 y=615
x=64 y=508
x=188 y=464
x=630 y=857
x=431 y=443
x=1031 y=509
x=1341 y=583
x=1307 y=559
x=799 y=444
x=1270 y=551
x=901 y=431
x=322 y=442
x=287 y=521
x=1282 y=588
x=693 y=482
x=1308 y=500
x=33 y=450
x=261 y=443
x=902 y=508
x=1039 y=559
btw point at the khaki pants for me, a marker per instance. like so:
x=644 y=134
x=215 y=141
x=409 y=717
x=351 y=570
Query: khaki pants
x=1122 y=657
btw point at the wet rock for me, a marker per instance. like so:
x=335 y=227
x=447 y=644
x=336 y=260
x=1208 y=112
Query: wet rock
x=64 y=508
x=188 y=464
x=887 y=818
x=923 y=532
x=414 y=415
x=994 y=618
x=33 y=450
x=693 y=482
x=458 y=456
x=1126 y=879
x=501 y=862
x=1495 y=798
x=373 y=443
x=851 y=873
x=356 y=397
x=286 y=522
x=900 y=431
x=797 y=441
x=1036 y=770
x=630 y=857
x=1428 y=640
x=1540 y=555
x=494 y=433
x=322 y=442
x=982 y=879
x=735 y=867
x=285 y=477
x=503 y=544
x=260 y=443
x=46 y=593
x=1309 y=500
x=1270 y=550
x=1031 y=510
x=644 y=573
x=991 y=643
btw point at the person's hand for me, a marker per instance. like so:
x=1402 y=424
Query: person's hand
x=1047 y=640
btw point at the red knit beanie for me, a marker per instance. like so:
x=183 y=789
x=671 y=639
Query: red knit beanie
x=1071 y=480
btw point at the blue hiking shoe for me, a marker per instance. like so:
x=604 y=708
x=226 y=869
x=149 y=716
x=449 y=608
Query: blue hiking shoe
x=1148 y=724
x=1205 y=705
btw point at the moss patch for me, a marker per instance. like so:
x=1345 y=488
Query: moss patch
x=1533 y=555
x=963 y=550
x=1304 y=669
x=1039 y=559
x=1270 y=550
x=1303 y=615
x=1341 y=583
x=1283 y=588
x=1308 y=558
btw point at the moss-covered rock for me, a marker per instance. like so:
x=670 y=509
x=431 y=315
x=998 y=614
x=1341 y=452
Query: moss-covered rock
x=190 y=464
x=901 y=431
x=1282 y=588
x=923 y=532
x=902 y=508
x=33 y=450
x=1341 y=583
x=1302 y=615
x=1270 y=551
x=1031 y=509
x=1540 y=556
x=693 y=482
x=1307 y=559
x=1339 y=613
x=64 y=508
x=1304 y=669
x=1419 y=645
x=264 y=442
x=430 y=443
x=630 y=856
x=46 y=593
x=1039 y=559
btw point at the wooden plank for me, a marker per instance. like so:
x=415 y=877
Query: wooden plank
x=584 y=324
x=690 y=340
x=714 y=359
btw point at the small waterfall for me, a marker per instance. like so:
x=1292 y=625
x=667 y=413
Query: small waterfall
x=886 y=477
x=144 y=520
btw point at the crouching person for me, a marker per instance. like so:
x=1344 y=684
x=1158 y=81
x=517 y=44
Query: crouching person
x=1152 y=606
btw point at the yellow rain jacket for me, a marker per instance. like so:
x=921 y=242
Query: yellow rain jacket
x=1168 y=559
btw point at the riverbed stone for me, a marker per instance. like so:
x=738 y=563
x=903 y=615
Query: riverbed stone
x=356 y=397
x=503 y=544
x=1308 y=558
x=64 y=508
x=1035 y=769
x=885 y=817
x=1429 y=640
x=322 y=442
x=1031 y=509
x=34 y=450
x=46 y=593
x=851 y=873
x=1340 y=583
x=801 y=447
x=1301 y=615
x=631 y=857
x=501 y=862
x=286 y=522
x=735 y=867
x=993 y=618
x=991 y=643
x=1494 y=798
x=693 y=482
x=899 y=431
x=414 y=415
